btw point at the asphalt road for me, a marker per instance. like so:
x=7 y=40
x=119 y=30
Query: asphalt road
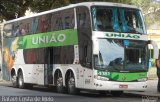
x=10 y=94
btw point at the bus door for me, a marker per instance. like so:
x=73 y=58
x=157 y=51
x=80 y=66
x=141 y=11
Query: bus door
x=48 y=67
x=87 y=69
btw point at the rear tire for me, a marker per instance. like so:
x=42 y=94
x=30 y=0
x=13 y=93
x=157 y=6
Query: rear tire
x=59 y=83
x=21 y=80
x=14 y=81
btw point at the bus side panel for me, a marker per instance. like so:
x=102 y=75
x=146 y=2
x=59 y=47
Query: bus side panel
x=76 y=69
x=9 y=54
x=32 y=73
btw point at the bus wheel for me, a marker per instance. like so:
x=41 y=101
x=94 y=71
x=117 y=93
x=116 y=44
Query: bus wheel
x=59 y=83
x=71 y=85
x=21 y=80
x=116 y=93
x=14 y=80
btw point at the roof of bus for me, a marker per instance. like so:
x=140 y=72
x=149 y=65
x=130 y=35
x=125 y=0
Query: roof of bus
x=87 y=4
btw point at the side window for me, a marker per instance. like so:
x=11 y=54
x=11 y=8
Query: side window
x=63 y=55
x=63 y=20
x=84 y=36
x=83 y=18
x=55 y=21
x=56 y=55
x=40 y=56
x=59 y=23
x=34 y=56
x=22 y=27
x=68 y=18
x=7 y=30
x=67 y=54
x=59 y=20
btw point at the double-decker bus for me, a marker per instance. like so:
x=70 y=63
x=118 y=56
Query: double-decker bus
x=96 y=46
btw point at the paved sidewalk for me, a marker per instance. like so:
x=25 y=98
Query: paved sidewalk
x=5 y=83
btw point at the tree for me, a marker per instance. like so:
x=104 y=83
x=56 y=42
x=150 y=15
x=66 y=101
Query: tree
x=11 y=9
x=43 y=5
x=150 y=9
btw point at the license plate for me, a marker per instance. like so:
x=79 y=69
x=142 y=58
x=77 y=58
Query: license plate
x=123 y=86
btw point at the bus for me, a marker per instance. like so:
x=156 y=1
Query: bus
x=96 y=46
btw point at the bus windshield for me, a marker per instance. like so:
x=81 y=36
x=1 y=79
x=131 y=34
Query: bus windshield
x=116 y=19
x=121 y=55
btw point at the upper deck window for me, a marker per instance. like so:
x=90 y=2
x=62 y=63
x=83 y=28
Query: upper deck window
x=54 y=21
x=116 y=19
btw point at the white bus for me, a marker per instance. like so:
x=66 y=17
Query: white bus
x=95 y=46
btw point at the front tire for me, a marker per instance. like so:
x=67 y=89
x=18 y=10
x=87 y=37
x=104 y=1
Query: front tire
x=71 y=85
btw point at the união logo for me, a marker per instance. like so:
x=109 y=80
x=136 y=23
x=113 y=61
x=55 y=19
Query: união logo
x=48 y=39
x=131 y=36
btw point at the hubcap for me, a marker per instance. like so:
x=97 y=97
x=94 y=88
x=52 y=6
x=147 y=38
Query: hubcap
x=71 y=82
x=13 y=79
x=59 y=81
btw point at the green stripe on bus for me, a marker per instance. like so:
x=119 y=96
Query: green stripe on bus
x=122 y=76
x=48 y=39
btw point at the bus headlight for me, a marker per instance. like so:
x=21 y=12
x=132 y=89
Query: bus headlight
x=142 y=79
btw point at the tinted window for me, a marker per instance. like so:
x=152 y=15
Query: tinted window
x=59 y=20
x=63 y=55
x=58 y=55
x=84 y=36
x=34 y=56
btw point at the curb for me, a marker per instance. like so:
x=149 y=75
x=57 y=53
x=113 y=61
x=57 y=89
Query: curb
x=5 y=83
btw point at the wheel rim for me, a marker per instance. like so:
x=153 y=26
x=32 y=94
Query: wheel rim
x=13 y=79
x=71 y=83
x=59 y=81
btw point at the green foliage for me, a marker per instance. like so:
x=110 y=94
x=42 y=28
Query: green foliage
x=150 y=11
x=43 y=5
x=10 y=8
